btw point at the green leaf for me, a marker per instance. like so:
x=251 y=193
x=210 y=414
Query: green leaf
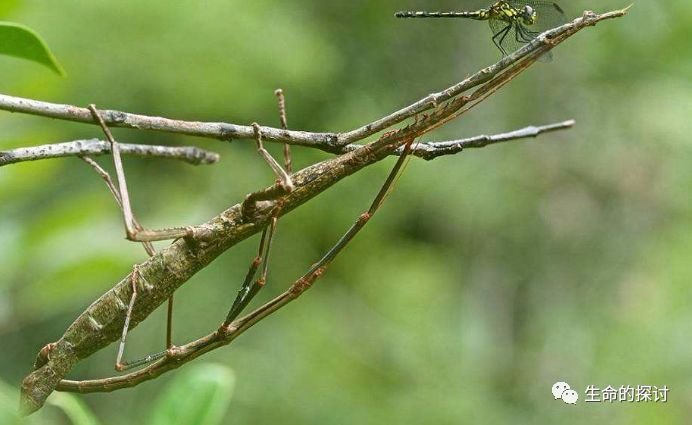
x=198 y=396
x=74 y=408
x=22 y=42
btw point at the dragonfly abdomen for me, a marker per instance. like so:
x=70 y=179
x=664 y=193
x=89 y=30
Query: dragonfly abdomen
x=479 y=14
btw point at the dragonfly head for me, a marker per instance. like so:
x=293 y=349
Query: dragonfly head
x=528 y=15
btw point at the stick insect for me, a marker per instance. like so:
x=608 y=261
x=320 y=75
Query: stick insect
x=250 y=286
x=96 y=327
x=137 y=233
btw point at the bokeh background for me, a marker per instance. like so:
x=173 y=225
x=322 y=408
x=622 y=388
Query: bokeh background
x=486 y=277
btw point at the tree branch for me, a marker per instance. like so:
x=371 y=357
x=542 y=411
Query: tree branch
x=432 y=150
x=190 y=154
x=214 y=130
x=164 y=273
x=330 y=142
x=196 y=156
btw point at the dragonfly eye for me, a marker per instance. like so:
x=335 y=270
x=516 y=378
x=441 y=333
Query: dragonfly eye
x=529 y=15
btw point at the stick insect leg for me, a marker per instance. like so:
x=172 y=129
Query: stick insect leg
x=121 y=365
x=281 y=174
x=318 y=268
x=149 y=248
x=121 y=198
x=245 y=287
x=132 y=231
x=284 y=124
x=249 y=289
x=169 y=324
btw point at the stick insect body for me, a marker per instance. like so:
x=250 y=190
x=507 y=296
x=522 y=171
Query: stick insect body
x=129 y=302
x=135 y=232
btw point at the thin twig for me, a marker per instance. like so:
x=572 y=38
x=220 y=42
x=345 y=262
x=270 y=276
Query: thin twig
x=214 y=130
x=432 y=150
x=94 y=147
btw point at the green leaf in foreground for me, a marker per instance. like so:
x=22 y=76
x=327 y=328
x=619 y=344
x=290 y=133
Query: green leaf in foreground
x=198 y=396
x=22 y=42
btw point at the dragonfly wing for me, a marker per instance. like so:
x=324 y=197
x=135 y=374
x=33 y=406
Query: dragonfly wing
x=505 y=36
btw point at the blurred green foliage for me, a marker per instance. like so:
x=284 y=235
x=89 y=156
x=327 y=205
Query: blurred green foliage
x=484 y=279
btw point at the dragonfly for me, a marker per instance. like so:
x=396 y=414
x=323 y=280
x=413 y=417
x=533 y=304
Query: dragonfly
x=513 y=22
